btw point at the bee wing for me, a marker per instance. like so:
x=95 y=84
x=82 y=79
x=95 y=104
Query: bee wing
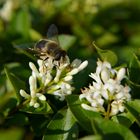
x=52 y=33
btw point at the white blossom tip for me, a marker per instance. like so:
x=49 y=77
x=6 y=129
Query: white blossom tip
x=105 y=75
x=83 y=65
x=68 y=78
x=121 y=74
x=24 y=94
x=73 y=72
x=40 y=62
x=32 y=83
x=36 y=105
x=87 y=107
x=41 y=97
x=31 y=65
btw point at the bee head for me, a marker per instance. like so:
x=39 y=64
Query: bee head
x=59 y=55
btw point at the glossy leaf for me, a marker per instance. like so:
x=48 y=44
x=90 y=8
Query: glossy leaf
x=84 y=117
x=18 y=119
x=38 y=123
x=21 y=23
x=9 y=105
x=134 y=108
x=62 y=127
x=15 y=82
x=134 y=69
x=113 y=131
x=107 y=55
x=43 y=109
x=92 y=137
x=125 y=119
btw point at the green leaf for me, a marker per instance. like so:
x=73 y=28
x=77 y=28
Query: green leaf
x=62 y=127
x=112 y=131
x=14 y=133
x=8 y=106
x=18 y=119
x=34 y=34
x=92 y=137
x=125 y=119
x=66 y=41
x=21 y=23
x=15 y=82
x=93 y=122
x=106 y=39
x=84 y=117
x=134 y=108
x=38 y=123
x=134 y=69
x=107 y=55
x=43 y=109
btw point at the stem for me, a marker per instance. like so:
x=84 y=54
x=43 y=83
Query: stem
x=108 y=110
x=18 y=107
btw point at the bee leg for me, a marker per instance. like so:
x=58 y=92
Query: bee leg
x=45 y=59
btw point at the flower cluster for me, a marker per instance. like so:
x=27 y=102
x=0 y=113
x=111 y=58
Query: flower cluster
x=52 y=77
x=106 y=94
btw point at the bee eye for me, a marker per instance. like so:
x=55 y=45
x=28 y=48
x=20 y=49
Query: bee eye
x=41 y=44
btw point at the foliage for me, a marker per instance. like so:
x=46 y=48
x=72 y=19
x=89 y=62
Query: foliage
x=112 y=25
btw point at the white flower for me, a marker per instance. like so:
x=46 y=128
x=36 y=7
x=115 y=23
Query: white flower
x=106 y=88
x=34 y=96
x=24 y=94
x=63 y=90
x=116 y=106
x=64 y=81
x=35 y=72
x=52 y=77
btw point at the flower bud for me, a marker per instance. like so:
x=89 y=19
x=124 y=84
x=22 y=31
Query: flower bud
x=73 y=72
x=105 y=75
x=41 y=96
x=67 y=86
x=68 y=78
x=87 y=107
x=34 y=69
x=32 y=83
x=36 y=105
x=121 y=74
x=24 y=94
x=32 y=102
x=40 y=62
x=56 y=79
x=83 y=65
